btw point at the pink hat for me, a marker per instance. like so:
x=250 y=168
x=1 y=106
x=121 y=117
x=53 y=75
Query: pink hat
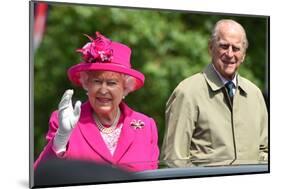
x=102 y=54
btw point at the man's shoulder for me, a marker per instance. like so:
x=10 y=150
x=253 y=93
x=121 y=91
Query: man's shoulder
x=248 y=85
x=194 y=82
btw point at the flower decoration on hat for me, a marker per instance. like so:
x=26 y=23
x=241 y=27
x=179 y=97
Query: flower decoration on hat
x=98 y=50
x=137 y=124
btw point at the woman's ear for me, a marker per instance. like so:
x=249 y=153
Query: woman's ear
x=84 y=80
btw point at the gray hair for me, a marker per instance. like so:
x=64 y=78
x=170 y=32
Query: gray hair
x=214 y=36
x=129 y=81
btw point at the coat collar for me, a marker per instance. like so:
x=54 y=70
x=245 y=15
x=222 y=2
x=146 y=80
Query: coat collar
x=212 y=78
x=92 y=135
x=127 y=135
x=242 y=85
x=91 y=132
x=215 y=82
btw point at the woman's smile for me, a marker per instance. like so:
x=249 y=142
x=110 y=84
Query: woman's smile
x=103 y=100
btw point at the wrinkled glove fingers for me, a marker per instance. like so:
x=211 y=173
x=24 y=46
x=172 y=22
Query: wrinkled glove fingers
x=66 y=99
x=77 y=109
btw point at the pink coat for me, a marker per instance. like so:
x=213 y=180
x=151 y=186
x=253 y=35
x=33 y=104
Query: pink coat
x=137 y=148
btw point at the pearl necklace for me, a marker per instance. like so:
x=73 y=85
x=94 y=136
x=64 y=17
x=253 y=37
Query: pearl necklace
x=110 y=129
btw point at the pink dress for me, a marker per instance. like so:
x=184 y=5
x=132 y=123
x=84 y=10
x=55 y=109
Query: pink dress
x=136 y=148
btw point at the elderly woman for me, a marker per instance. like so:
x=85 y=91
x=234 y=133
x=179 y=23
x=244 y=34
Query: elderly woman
x=103 y=129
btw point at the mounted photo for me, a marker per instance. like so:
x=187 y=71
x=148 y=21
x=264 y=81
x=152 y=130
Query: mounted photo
x=127 y=94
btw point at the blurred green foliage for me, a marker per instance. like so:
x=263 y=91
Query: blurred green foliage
x=167 y=46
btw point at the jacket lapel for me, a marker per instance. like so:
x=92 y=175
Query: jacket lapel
x=212 y=78
x=242 y=86
x=216 y=84
x=92 y=135
x=127 y=134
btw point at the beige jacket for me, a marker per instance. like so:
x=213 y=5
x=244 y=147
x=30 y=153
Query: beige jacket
x=204 y=128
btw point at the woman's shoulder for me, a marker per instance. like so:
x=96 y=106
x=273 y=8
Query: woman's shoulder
x=134 y=115
x=139 y=115
x=141 y=121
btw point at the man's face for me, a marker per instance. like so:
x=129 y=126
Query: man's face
x=228 y=51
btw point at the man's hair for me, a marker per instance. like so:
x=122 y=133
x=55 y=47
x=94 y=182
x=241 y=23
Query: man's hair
x=214 y=36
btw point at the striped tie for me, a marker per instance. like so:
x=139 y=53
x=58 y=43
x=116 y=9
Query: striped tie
x=230 y=86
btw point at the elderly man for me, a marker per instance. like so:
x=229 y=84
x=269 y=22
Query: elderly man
x=217 y=117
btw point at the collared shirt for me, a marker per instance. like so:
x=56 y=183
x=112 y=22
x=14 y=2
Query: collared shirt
x=224 y=81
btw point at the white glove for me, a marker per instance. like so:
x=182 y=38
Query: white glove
x=67 y=121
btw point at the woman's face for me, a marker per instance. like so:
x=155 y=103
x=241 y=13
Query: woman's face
x=105 y=91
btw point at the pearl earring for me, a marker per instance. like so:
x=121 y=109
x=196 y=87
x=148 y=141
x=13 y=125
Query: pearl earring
x=123 y=97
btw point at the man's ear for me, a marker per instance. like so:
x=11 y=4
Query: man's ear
x=210 y=48
x=243 y=58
